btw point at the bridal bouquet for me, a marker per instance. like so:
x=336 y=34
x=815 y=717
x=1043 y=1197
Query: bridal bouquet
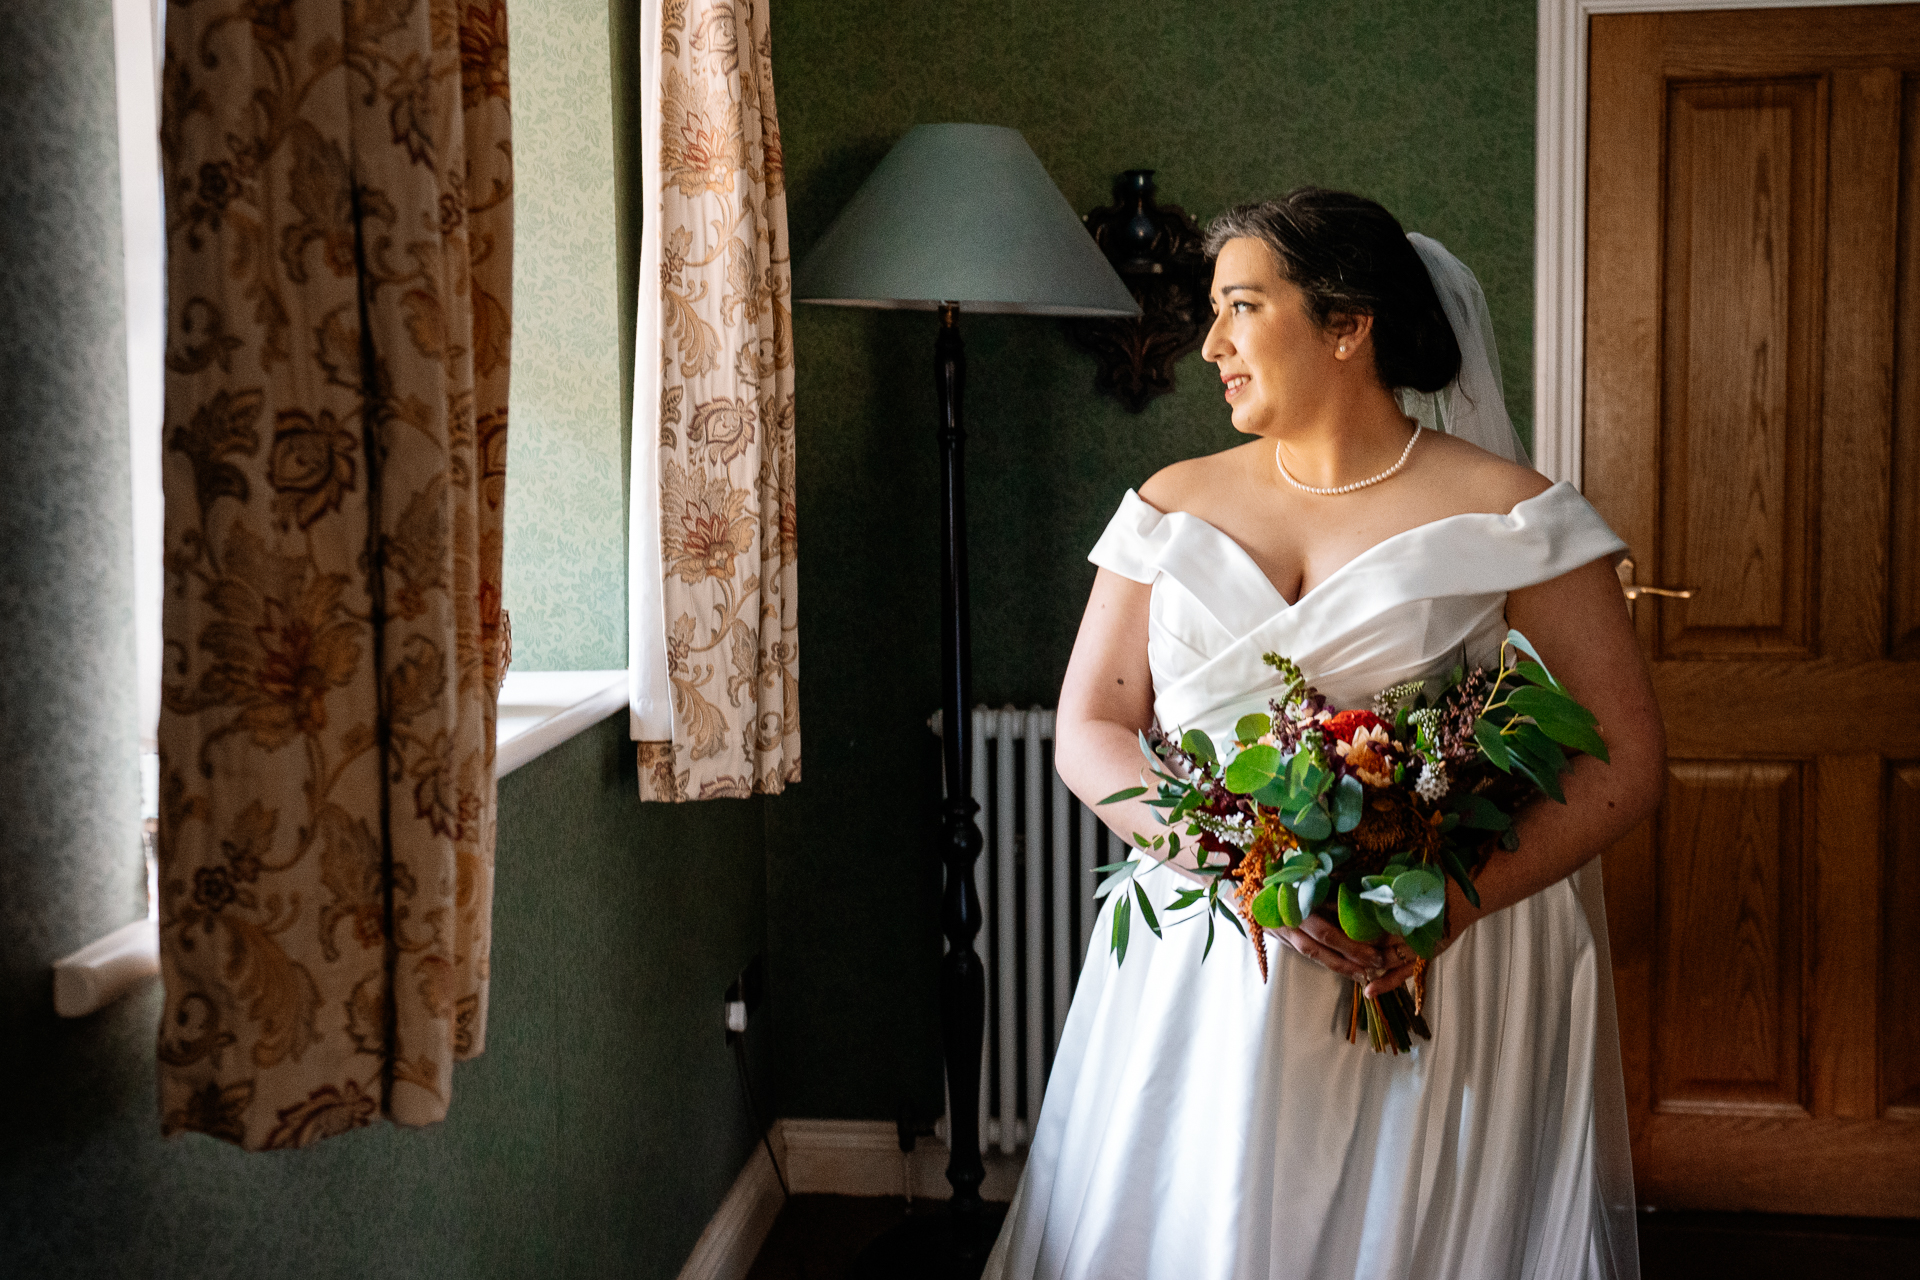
x=1357 y=815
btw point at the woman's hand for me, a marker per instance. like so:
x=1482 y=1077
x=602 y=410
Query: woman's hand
x=1323 y=941
x=1401 y=963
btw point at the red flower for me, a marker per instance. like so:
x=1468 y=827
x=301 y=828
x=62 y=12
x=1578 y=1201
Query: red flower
x=1347 y=723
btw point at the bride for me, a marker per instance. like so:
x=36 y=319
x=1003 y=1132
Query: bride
x=1200 y=1124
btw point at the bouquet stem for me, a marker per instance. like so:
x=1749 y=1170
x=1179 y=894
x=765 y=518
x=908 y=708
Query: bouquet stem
x=1390 y=1021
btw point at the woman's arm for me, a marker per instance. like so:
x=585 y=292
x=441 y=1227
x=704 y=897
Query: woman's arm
x=1580 y=625
x=1106 y=701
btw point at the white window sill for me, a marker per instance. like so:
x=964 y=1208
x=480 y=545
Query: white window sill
x=539 y=710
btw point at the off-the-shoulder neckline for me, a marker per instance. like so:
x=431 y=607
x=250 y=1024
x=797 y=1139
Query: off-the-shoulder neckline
x=1247 y=557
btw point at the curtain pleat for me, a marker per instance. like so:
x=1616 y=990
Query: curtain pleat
x=338 y=179
x=714 y=626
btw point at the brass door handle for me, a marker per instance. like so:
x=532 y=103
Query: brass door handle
x=1634 y=591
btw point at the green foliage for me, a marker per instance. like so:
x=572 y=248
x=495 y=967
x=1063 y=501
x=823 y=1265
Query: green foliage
x=1357 y=917
x=1414 y=897
x=1560 y=718
x=1199 y=746
x=1252 y=769
x=1251 y=728
x=1349 y=803
x=1266 y=907
x=1127 y=794
x=1146 y=909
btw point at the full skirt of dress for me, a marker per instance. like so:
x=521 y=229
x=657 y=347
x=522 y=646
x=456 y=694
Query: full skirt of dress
x=1200 y=1124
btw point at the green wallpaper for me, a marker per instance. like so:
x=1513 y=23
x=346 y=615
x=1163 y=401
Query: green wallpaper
x=595 y=1136
x=566 y=559
x=1426 y=106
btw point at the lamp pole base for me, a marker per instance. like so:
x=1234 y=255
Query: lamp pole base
x=932 y=1246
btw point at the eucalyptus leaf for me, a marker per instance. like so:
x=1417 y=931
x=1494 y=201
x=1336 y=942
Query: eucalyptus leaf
x=1266 y=907
x=1357 y=918
x=1128 y=794
x=1199 y=746
x=1122 y=918
x=1274 y=795
x=1251 y=727
x=1310 y=823
x=1312 y=891
x=1204 y=951
x=1349 y=803
x=1425 y=940
x=1288 y=906
x=1419 y=896
x=1252 y=769
x=1186 y=898
x=1229 y=917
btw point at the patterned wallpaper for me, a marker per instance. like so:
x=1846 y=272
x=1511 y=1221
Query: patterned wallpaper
x=566 y=534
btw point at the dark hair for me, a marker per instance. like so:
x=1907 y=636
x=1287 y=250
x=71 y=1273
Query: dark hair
x=1351 y=257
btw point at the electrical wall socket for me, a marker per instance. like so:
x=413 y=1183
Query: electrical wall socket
x=743 y=995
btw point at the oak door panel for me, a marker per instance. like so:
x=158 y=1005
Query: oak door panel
x=1727 y=1021
x=1904 y=603
x=1900 y=1061
x=1745 y=188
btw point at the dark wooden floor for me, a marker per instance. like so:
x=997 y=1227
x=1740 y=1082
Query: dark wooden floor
x=818 y=1237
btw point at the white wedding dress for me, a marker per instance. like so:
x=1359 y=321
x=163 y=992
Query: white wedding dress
x=1202 y=1125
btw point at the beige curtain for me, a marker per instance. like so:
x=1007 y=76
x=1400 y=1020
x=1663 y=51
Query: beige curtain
x=715 y=648
x=338 y=179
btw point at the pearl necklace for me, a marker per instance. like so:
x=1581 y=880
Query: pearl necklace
x=1337 y=490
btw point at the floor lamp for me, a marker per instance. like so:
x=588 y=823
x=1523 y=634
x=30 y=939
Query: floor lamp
x=959 y=217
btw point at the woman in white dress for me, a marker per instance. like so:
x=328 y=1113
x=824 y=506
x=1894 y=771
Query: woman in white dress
x=1200 y=1124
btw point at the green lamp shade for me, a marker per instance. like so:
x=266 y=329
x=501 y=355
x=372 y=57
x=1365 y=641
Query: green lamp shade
x=965 y=214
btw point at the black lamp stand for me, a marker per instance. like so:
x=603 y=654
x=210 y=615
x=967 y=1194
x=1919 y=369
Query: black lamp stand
x=952 y=1246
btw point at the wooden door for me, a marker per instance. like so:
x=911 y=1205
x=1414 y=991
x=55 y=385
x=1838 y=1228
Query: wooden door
x=1753 y=431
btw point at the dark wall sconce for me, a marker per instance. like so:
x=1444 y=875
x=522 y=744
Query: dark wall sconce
x=1156 y=250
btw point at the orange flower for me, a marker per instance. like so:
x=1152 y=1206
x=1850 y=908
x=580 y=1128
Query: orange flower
x=1343 y=725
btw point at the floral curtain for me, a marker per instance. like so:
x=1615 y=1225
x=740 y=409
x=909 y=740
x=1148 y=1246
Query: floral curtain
x=713 y=633
x=338 y=178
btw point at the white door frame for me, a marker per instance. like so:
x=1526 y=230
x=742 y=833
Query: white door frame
x=1560 y=215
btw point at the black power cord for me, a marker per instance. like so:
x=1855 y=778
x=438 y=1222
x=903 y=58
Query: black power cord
x=739 y=1039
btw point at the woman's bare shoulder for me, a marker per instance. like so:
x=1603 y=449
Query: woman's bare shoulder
x=1186 y=485
x=1477 y=480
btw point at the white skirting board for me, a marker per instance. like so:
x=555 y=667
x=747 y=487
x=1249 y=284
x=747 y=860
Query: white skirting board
x=826 y=1157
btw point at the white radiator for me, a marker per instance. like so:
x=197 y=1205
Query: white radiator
x=1036 y=882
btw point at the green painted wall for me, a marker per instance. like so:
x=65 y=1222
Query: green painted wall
x=594 y=1137
x=1426 y=105
x=566 y=549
